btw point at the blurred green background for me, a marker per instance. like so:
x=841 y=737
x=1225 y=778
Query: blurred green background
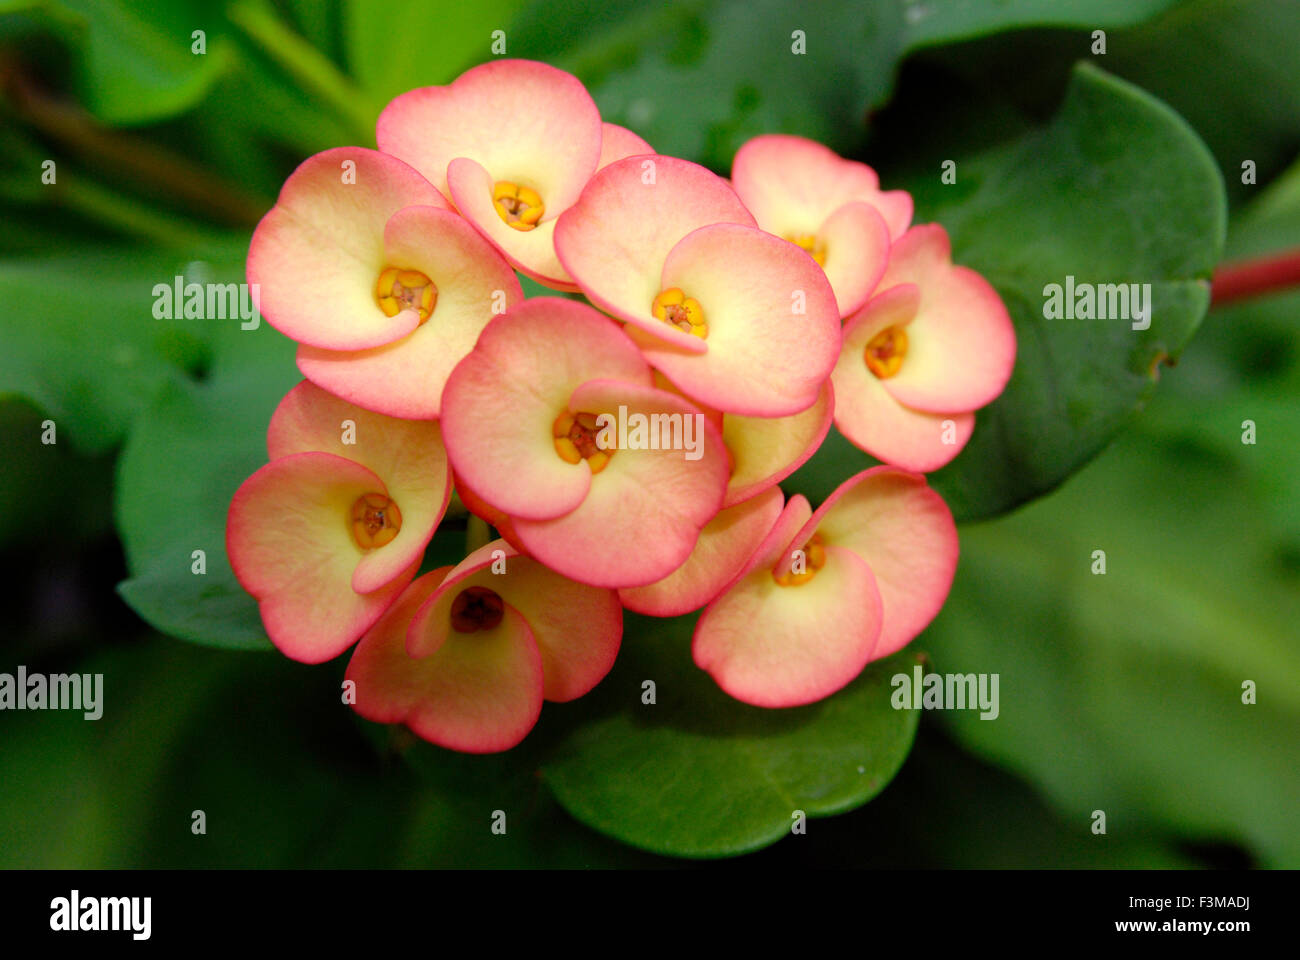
x=1119 y=693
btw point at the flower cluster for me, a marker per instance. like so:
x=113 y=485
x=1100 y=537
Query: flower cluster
x=628 y=449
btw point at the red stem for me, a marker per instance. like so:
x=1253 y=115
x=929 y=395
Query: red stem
x=1252 y=278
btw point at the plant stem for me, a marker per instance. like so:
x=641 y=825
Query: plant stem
x=307 y=65
x=149 y=164
x=119 y=213
x=1253 y=278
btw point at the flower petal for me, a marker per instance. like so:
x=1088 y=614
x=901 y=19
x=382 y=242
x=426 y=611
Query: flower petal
x=408 y=456
x=405 y=378
x=867 y=413
x=532 y=251
x=775 y=646
x=501 y=401
x=480 y=692
x=615 y=240
x=766 y=450
x=961 y=344
x=522 y=121
x=792 y=185
x=577 y=628
x=856 y=242
x=655 y=499
x=619 y=142
x=725 y=544
x=316 y=256
x=774 y=327
x=794 y=517
x=905 y=533
x=290 y=545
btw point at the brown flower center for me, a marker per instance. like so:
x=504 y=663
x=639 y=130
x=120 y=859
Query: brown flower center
x=375 y=520
x=579 y=436
x=884 y=354
x=676 y=309
x=517 y=206
x=398 y=290
x=476 y=608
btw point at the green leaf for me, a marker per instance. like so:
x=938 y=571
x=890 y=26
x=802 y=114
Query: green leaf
x=948 y=810
x=309 y=68
x=1134 y=679
x=134 y=58
x=210 y=609
x=251 y=108
x=1117 y=189
x=83 y=344
x=1233 y=70
x=1123 y=692
x=1207 y=59
x=69 y=492
x=185 y=457
x=470 y=794
x=1246 y=373
x=319 y=23
x=699 y=79
x=393 y=47
x=698 y=774
x=961 y=19
x=269 y=753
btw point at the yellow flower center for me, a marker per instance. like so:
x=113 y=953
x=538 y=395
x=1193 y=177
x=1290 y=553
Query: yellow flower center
x=676 y=309
x=885 y=352
x=476 y=608
x=519 y=207
x=576 y=436
x=816 y=249
x=399 y=290
x=804 y=564
x=375 y=520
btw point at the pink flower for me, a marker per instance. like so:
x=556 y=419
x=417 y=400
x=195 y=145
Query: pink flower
x=725 y=545
x=926 y=351
x=534 y=421
x=384 y=287
x=825 y=593
x=763 y=451
x=318 y=253
x=931 y=347
x=467 y=655
x=736 y=318
x=511 y=143
x=328 y=533
x=832 y=207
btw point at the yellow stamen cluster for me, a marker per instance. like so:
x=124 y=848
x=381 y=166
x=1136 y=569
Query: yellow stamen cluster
x=884 y=354
x=476 y=608
x=814 y=558
x=399 y=290
x=575 y=440
x=519 y=207
x=676 y=309
x=816 y=249
x=375 y=520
